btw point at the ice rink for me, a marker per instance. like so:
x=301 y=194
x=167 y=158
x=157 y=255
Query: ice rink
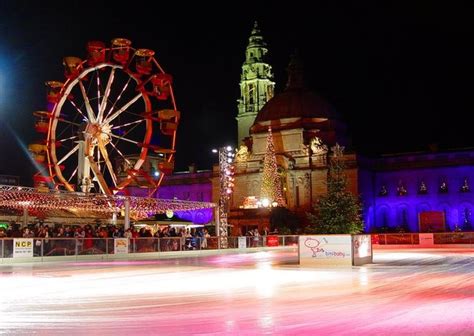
x=405 y=292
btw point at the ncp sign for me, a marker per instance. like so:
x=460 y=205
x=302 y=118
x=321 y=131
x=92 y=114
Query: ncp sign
x=22 y=247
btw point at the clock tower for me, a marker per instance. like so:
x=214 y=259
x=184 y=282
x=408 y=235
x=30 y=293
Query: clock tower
x=256 y=85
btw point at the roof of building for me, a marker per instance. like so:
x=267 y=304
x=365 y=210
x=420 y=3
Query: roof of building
x=296 y=101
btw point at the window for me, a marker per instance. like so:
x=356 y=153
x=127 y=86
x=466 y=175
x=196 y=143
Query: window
x=251 y=93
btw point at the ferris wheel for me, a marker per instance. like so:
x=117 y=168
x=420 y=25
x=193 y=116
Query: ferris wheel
x=111 y=124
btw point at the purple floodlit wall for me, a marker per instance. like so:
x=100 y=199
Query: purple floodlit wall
x=180 y=188
x=393 y=210
x=201 y=192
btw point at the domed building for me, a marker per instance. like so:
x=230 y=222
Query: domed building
x=415 y=192
x=303 y=125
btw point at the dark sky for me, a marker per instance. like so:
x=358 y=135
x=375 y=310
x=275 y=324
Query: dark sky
x=400 y=73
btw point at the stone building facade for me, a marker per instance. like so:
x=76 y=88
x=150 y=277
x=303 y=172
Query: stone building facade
x=401 y=192
x=304 y=128
x=397 y=191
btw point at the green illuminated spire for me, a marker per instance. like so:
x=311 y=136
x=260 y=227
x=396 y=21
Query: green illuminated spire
x=256 y=86
x=256 y=43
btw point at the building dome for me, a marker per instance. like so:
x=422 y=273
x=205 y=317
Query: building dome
x=297 y=107
x=296 y=101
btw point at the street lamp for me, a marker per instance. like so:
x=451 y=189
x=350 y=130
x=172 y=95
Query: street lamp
x=226 y=187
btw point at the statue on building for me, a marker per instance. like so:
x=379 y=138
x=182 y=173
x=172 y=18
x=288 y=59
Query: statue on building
x=337 y=150
x=422 y=190
x=291 y=164
x=443 y=188
x=383 y=191
x=242 y=154
x=317 y=146
x=465 y=186
x=401 y=190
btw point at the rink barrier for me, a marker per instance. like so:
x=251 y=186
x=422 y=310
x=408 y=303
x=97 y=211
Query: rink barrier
x=423 y=240
x=51 y=249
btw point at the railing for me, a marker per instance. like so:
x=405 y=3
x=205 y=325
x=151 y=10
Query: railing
x=396 y=239
x=47 y=247
x=454 y=238
x=439 y=238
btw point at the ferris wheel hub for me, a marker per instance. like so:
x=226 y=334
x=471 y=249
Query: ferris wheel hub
x=97 y=132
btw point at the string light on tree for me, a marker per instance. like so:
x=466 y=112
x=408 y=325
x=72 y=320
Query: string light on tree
x=271 y=185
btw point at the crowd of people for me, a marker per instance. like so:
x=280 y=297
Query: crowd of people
x=93 y=238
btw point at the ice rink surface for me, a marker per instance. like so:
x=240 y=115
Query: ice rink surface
x=405 y=292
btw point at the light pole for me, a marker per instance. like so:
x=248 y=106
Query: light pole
x=226 y=187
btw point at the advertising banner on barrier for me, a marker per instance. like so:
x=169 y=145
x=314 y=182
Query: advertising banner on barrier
x=272 y=241
x=120 y=245
x=242 y=242
x=426 y=239
x=325 y=250
x=22 y=247
x=362 y=247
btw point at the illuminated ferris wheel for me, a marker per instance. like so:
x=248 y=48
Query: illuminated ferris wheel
x=113 y=113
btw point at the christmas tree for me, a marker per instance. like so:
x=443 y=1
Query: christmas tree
x=337 y=212
x=271 y=184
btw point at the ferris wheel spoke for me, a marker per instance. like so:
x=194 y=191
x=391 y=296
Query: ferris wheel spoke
x=103 y=150
x=128 y=124
x=125 y=139
x=90 y=111
x=98 y=92
x=72 y=175
x=126 y=106
x=68 y=154
x=136 y=124
x=98 y=175
x=65 y=132
x=99 y=161
x=103 y=104
x=62 y=132
x=78 y=109
x=70 y=122
x=118 y=98
x=66 y=139
x=120 y=153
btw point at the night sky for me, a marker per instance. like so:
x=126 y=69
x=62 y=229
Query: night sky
x=401 y=74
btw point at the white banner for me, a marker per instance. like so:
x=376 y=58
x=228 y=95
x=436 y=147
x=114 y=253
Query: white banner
x=22 y=247
x=242 y=242
x=362 y=246
x=329 y=250
x=120 y=245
